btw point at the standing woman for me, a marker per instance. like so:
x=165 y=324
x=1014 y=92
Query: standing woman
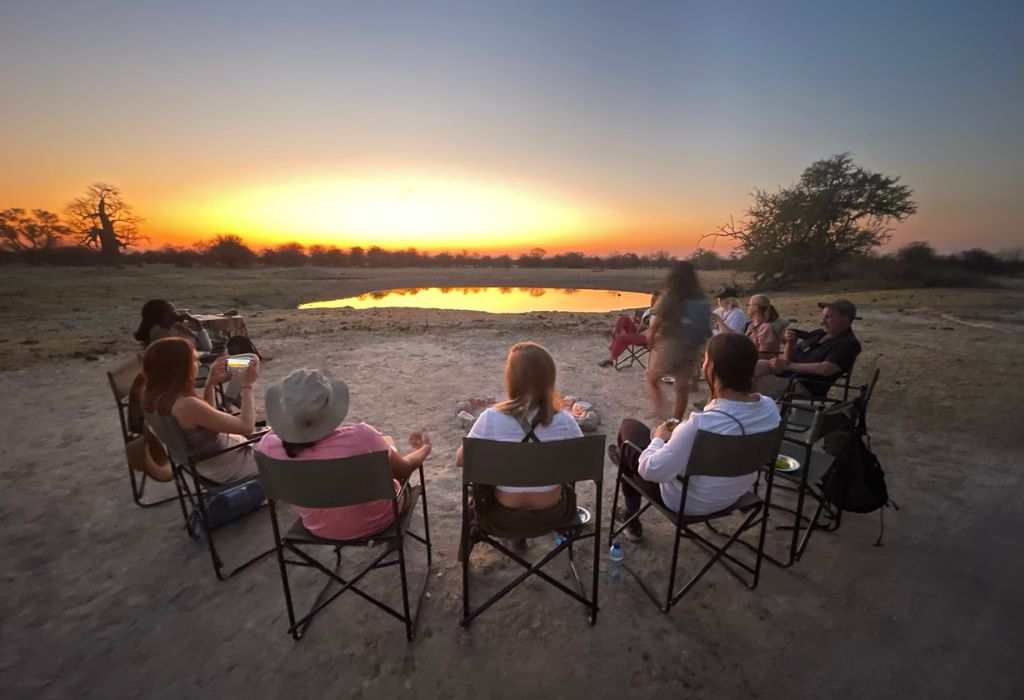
x=680 y=325
x=169 y=368
x=533 y=408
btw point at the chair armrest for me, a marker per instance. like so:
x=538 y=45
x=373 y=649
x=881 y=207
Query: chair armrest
x=633 y=445
x=252 y=439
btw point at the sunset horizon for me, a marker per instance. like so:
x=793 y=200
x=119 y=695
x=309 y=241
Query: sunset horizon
x=501 y=128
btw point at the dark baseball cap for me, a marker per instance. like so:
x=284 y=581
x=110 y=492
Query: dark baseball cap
x=727 y=292
x=843 y=306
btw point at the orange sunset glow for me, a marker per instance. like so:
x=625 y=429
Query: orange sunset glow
x=501 y=129
x=427 y=213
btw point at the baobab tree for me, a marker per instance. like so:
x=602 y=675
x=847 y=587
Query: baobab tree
x=103 y=220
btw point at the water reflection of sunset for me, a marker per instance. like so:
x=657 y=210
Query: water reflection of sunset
x=499 y=300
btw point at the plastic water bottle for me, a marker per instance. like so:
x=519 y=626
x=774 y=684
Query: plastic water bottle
x=559 y=538
x=615 y=557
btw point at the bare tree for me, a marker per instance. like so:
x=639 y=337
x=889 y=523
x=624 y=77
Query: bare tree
x=103 y=220
x=40 y=230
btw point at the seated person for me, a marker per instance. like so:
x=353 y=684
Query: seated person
x=161 y=320
x=627 y=332
x=729 y=370
x=761 y=329
x=823 y=354
x=169 y=368
x=305 y=411
x=728 y=316
x=532 y=412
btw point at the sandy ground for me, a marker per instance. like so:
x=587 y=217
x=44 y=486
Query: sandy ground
x=103 y=599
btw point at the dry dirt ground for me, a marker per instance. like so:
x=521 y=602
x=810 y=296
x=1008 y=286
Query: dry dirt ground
x=103 y=599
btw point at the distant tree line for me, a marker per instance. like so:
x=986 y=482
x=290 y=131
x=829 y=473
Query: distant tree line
x=828 y=226
x=231 y=251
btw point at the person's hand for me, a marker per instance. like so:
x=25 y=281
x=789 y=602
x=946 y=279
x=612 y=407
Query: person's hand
x=250 y=373
x=219 y=370
x=420 y=440
x=663 y=431
x=779 y=363
x=789 y=335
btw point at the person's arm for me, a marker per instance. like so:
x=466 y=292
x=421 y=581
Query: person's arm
x=663 y=461
x=206 y=414
x=203 y=342
x=190 y=329
x=402 y=467
x=200 y=413
x=819 y=369
x=736 y=321
x=218 y=373
x=479 y=430
x=653 y=330
x=724 y=327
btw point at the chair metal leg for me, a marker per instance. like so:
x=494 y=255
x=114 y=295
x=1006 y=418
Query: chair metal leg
x=592 y=618
x=426 y=523
x=672 y=571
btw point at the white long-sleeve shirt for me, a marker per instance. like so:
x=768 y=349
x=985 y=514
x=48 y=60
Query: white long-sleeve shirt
x=663 y=461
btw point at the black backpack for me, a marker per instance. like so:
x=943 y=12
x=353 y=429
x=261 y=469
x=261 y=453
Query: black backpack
x=855 y=481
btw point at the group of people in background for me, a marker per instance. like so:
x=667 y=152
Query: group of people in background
x=736 y=351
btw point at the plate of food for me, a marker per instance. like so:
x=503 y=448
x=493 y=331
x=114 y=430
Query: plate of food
x=786 y=464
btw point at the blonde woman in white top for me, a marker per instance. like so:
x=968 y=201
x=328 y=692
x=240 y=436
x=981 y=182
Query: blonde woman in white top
x=533 y=408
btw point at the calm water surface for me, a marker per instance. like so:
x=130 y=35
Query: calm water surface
x=499 y=300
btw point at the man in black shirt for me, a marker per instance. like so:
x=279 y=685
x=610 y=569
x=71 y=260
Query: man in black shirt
x=823 y=354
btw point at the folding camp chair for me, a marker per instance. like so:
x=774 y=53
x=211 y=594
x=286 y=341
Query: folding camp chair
x=334 y=483
x=121 y=379
x=802 y=405
x=632 y=353
x=490 y=463
x=801 y=384
x=813 y=464
x=712 y=455
x=194 y=499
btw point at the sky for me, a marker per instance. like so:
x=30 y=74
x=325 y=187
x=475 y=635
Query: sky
x=501 y=126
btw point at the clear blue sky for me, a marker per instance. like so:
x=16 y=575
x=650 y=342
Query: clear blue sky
x=658 y=115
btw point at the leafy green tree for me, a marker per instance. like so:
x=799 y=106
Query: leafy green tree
x=803 y=232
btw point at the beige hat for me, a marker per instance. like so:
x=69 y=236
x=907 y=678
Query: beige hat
x=306 y=406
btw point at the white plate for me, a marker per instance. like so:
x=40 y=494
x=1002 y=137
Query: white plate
x=791 y=464
x=584 y=515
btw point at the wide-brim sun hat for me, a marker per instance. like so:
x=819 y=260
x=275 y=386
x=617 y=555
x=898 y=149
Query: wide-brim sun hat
x=306 y=406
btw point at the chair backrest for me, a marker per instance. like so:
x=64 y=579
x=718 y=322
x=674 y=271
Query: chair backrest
x=169 y=432
x=733 y=455
x=327 y=483
x=533 y=463
x=123 y=376
x=828 y=419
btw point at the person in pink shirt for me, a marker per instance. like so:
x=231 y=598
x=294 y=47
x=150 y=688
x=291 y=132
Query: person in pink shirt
x=305 y=411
